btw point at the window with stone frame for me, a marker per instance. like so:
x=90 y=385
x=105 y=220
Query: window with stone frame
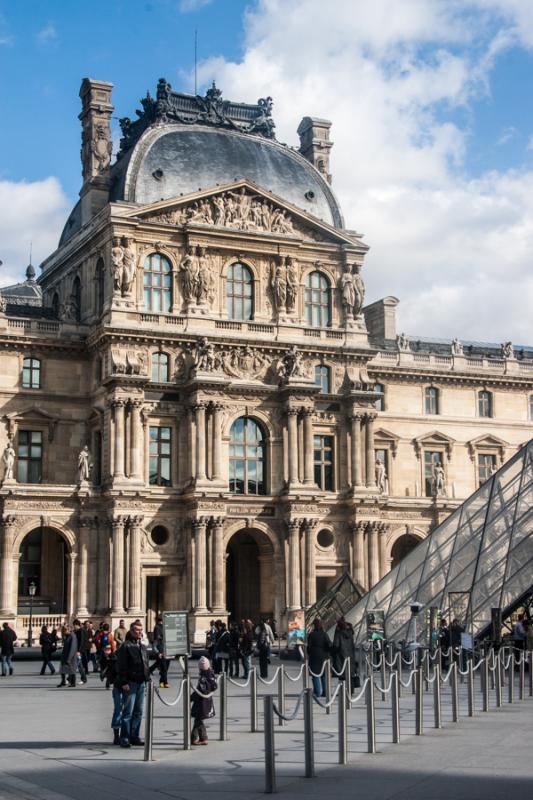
x=31 y=373
x=247 y=463
x=317 y=300
x=484 y=404
x=160 y=367
x=324 y=468
x=239 y=292
x=431 y=400
x=379 y=403
x=486 y=466
x=29 y=456
x=382 y=453
x=323 y=378
x=431 y=458
x=160 y=455
x=157 y=283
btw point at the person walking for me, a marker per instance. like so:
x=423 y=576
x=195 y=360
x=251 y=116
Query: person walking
x=8 y=637
x=120 y=633
x=318 y=650
x=234 y=650
x=133 y=673
x=161 y=663
x=222 y=649
x=343 y=648
x=109 y=672
x=48 y=642
x=263 y=649
x=247 y=647
x=202 y=707
x=68 y=657
x=80 y=635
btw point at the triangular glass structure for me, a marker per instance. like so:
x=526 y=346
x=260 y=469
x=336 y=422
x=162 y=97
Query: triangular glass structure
x=481 y=557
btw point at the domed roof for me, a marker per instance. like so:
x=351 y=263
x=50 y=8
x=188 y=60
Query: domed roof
x=172 y=159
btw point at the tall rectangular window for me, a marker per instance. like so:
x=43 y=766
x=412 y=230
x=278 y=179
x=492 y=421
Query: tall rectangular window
x=486 y=466
x=379 y=404
x=160 y=455
x=30 y=457
x=431 y=400
x=431 y=458
x=323 y=378
x=484 y=404
x=323 y=461
x=31 y=373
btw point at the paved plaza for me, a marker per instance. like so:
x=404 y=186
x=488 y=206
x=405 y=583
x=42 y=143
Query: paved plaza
x=55 y=744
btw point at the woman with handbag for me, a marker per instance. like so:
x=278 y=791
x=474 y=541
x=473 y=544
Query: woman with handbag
x=48 y=642
x=202 y=707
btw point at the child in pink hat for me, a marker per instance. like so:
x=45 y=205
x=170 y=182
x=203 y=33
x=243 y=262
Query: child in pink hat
x=202 y=706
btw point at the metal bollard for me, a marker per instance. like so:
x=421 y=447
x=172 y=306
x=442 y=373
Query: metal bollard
x=455 y=693
x=419 y=701
x=510 y=679
x=437 y=706
x=308 y=734
x=522 y=674
x=281 y=694
x=498 y=683
x=530 y=667
x=370 y=716
x=327 y=676
x=270 y=751
x=253 y=700
x=470 y=679
x=187 y=713
x=383 y=676
x=348 y=681
x=400 y=673
x=493 y=671
x=485 y=682
x=395 y=703
x=149 y=722
x=222 y=685
x=343 y=728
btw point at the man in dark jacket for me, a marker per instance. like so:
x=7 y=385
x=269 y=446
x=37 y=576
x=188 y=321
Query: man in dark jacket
x=318 y=649
x=133 y=672
x=81 y=639
x=8 y=637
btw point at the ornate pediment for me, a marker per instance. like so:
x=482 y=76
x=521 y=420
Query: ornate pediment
x=243 y=207
x=387 y=438
x=435 y=439
x=487 y=442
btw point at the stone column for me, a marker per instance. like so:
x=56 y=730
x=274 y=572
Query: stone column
x=134 y=565
x=136 y=440
x=199 y=527
x=373 y=554
x=117 y=567
x=309 y=526
x=103 y=570
x=217 y=570
x=357 y=477
x=118 y=462
x=370 y=453
x=358 y=548
x=191 y=444
x=383 y=563
x=83 y=563
x=294 y=583
x=309 y=467
x=217 y=442
x=292 y=426
x=7 y=525
x=200 y=441
x=72 y=573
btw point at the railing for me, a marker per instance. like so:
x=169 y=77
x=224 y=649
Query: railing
x=22 y=624
x=171 y=320
x=229 y=326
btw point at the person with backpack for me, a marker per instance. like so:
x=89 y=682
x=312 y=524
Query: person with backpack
x=202 y=707
x=104 y=639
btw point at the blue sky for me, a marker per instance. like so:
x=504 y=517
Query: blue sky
x=432 y=124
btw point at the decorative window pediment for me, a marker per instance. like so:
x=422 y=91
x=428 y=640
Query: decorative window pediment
x=487 y=442
x=385 y=438
x=432 y=440
x=31 y=416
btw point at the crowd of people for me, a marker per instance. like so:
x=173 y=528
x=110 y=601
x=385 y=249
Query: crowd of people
x=233 y=646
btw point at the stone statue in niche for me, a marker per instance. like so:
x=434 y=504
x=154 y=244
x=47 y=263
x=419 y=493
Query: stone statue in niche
x=381 y=476
x=439 y=480
x=128 y=267
x=84 y=465
x=69 y=310
x=359 y=287
x=352 y=291
x=117 y=264
x=205 y=279
x=457 y=347
x=189 y=275
x=292 y=285
x=292 y=365
x=278 y=285
x=101 y=147
x=8 y=460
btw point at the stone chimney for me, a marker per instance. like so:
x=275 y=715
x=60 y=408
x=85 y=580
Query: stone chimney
x=315 y=144
x=96 y=146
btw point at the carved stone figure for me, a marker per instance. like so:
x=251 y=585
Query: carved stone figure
x=457 y=347
x=8 y=459
x=507 y=350
x=220 y=210
x=348 y=290
x=381 y=476
x=128 y=267
x=204 y=283
x=205 y=357
x=439 y=480
x=189 y=275
x=68 y=311
x=292 y=285
x=117 y=265
x=402 y=342
x=359 y=288
x=292 y=365
x=101 y=147
x=84 y=465
x=278 y=285
x=3 y=303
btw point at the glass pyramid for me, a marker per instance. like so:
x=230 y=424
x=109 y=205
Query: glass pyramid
x=480 y=557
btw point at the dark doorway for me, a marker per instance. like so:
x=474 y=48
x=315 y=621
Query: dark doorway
x=402 y=547
x=44 y=563
x=155 y=598
x=243 y=577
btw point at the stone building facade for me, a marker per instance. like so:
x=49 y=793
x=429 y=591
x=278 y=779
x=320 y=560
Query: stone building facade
x=201 y=412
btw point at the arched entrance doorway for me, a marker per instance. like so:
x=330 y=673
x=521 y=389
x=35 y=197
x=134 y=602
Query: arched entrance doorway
x=44 y=562
x=402 y=547
x=250 y=580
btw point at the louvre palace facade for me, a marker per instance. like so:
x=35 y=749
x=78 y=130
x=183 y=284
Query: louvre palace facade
x=198 y=409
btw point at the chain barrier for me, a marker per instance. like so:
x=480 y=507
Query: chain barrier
x=171 y=703
x=361 y=693
x=329 y=702
x=406 y=684
x=241 y=685
x=382 y=688
x=269 y=683
x=318 y=674
x=289 y=717
x=343 y=668
x=297 y=678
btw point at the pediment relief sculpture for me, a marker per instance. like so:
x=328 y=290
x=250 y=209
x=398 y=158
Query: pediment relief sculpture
x=245 y=363
x=122 y=266
x=129 y=362
x=197 y=278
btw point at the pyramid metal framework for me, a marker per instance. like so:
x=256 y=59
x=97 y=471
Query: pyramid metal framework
x=479 y=558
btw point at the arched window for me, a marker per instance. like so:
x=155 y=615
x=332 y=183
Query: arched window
x=239 y=292
x=55 y=305
x=379 y=389
x=431 y=400
x=484 y=404
x=323 y=378
x=246 y=457
x=76 y=296
x=31 y=373
x=99 y=286
x=160 y=367
x=157 y=283
x=317 y=300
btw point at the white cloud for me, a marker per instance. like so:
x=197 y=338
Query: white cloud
x=29 y=212
x=507 y=135
x=186 y=6
x=47 y=34
x=456 y=251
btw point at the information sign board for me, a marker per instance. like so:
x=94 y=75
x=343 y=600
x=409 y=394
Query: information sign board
x=296 y=628
x=375 y=624
x=176 y=634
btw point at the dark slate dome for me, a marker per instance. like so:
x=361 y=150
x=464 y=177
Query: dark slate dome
x=170 y=160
